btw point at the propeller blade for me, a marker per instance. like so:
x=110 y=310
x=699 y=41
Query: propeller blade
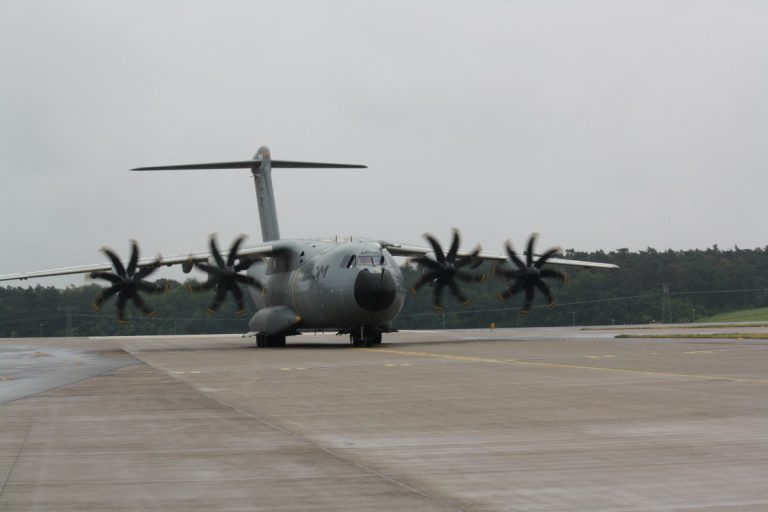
x=454 y=246
x=437 y=295
x=152 y=288
x=457 y=293
x=215 y=252
x=146 y=270
x=139 y=303
x=529 y=250
x=218 y=300
x=233 y=250
x=428 y=263
x=514 y=257
x=547 y=291
x=122 y=298
x=439 y=255
x=467 y=277
x=238 y=294
x=245 y=263
x=102 y=296
x=528 y=300
x=470 y=259
x=134 y=259
x=555 y=273
x=249 y=281
x=116 y=263
x=205 y=267
x=512 y=290
x=424 y=279
x=544 y=257
x=508 y=274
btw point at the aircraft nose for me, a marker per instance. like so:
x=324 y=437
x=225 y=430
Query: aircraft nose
x=375 y=291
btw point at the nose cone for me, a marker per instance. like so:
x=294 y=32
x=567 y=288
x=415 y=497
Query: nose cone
x=375 y=291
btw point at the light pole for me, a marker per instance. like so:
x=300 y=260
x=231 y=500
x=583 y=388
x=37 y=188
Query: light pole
x=573 y=318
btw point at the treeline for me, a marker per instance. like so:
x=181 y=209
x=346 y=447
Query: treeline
x=698 y=283
x=49 y=311
x=651 y=286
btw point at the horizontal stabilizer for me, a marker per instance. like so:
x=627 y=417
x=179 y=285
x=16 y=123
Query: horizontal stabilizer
x=250 y=164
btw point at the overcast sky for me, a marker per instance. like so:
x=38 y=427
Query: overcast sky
x=599 y=124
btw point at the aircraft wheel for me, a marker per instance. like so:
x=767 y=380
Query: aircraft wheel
x=368 y=338
x=264 y=340
x=358 y=341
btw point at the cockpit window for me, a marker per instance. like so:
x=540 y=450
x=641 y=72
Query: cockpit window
x=370 y=261
x=364 y=260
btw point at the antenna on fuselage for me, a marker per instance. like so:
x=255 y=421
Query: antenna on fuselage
x=261 y=168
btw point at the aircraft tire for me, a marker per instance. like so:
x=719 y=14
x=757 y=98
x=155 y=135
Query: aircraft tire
x=265 y=340
x=368 y=339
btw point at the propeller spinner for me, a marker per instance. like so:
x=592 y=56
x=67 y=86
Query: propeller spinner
x=529 y=275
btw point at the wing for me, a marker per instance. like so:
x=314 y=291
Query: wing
x=256 y=251
x=414 y=250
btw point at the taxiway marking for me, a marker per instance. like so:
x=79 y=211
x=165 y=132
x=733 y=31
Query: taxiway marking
x=568 y=366
x=387 y=365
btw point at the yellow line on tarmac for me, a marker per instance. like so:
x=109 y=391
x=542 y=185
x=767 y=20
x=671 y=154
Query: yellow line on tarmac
x=568 y=366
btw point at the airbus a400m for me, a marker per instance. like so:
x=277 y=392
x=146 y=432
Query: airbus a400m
x=350 y=285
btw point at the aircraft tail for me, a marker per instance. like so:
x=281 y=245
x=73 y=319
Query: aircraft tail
x=261 y=167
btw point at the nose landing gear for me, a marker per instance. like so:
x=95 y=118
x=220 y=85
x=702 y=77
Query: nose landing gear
x=365 y=337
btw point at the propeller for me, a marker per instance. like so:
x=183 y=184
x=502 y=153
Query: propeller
x=224 y=276
x=529 y=275
x=127 y=282
x=445 y=269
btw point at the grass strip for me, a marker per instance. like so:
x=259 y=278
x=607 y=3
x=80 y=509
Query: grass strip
x=673 y=326
x=717 y=335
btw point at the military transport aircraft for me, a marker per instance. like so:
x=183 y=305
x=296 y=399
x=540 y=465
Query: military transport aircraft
x=350 y=285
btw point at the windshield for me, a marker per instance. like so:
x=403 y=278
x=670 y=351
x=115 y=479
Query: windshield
x=370 y=261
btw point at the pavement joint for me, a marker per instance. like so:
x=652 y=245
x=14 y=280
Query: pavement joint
x=15 y=460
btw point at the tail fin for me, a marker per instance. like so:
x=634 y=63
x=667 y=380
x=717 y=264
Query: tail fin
x=261 y=167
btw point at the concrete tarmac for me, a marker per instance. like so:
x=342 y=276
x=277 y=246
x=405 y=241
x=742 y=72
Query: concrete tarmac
x=540 y=419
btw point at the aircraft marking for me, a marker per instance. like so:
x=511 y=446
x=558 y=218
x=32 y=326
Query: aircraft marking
x=314 y=273
x=569 y=366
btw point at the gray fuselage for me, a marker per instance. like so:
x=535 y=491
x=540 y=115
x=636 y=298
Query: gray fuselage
x=328 y=284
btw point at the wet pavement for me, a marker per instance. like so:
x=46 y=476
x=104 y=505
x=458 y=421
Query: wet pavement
x=28 y=369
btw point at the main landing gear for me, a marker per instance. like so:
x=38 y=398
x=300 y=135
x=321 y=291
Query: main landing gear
x=365 y=337
x=265 y=340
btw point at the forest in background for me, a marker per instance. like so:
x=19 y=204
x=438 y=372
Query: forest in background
x=651 y=286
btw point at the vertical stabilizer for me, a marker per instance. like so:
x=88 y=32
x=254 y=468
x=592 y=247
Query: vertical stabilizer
x=261 y=167
x=262 y=179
